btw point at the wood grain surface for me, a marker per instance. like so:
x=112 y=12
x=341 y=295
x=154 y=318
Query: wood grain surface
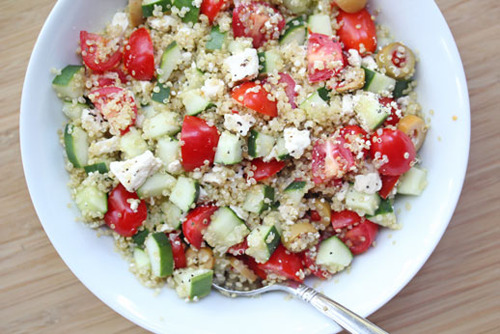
x=457 y=291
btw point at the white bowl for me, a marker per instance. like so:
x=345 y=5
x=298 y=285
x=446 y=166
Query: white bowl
x=375 y=277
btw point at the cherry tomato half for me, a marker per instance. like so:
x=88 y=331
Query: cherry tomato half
x=395 y=147
x=178 y=250
x=258 y=20
x=120 y=216
x=323 y=53
x=138 y=56
x=254 y=96
x=330 y=160
x=284 y=263
x=343 y=219
x=95 y=55
x=211 y=8
x=388 y=183
x=357 y=31
x=360 y=237
x=393 y=118
x=238 y=249
x=197 y=220
x=264 y=170
x=199 y=142
x=111 y=78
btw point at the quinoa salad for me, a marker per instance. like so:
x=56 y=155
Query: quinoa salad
x=241 y=142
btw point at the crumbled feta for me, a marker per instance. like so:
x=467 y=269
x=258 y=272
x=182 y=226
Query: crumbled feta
x=296 y=141
x=212 y=88
x=347 y=104
x=238 y=123
x=163 y=23
x=243 y=65
x=134 y=203
x=203 y=195
x=369 y=63
x=354 y=58
x=213 y=177
x=174 y=167
x=92 y=122
x=133 y=173
x=120 y=20
x=105 y=146
x=368 y=184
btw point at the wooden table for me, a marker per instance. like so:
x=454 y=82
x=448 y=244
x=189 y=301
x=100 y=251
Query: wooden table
x=457 y=291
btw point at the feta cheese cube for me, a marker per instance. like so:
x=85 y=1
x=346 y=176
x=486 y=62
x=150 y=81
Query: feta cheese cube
x=212 y=88
x=354 y=58
x=296 y=141
x=368 y=184
x=238 y=123
x=243 y=65
x=133 y=173
x=369 y=63
x=92 y=122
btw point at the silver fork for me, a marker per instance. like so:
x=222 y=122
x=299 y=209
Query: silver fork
x=347 y=319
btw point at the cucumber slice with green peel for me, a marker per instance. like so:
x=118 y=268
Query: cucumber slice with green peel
x=281 y=151
x=216 y=40
x=324 y=93
x=413 y=182
x=378 y=83
x=260 y=144
x=401 y=88
x=141 y=259
x=91 y=201
x=169 y=61
x=193 y=12
x=193 y=283
x=259 y=198
x=333 y=255
x=195 y=102
x=269 y=61
x=295 y=30
x=148 y=6
x=73 y=110
x=363 y=204
x=161 y=93
x=229 y=149
x=262 y=242
x=132 y=144
x=69 y=84
x=295 y=192
x=370 y=112
x=159 y=250
x=140 y=237
x=384 y=216
x=173 y=215
x=168 y=150
x=321 y=24
x=165 y=123
x=314 y=104
x=100 y=167
x=185 y=193
x=225 y=230
x=76 y=143
x=159 y=184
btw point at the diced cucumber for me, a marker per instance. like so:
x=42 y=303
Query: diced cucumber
x=295 y=30
x=140 y=237
x=362 y=203
x=141 y=259
x=260 y=144
x=69 y=84
x=413 y=182
x=165 y=123
x=384 y=215
x=238 y=45
x=168 y=150
x=161 y=93
x=148 y=6
x=401 y=88
x=192 y=14
x=193 y=283
x=269 y=61
x=225 y=230
x=295 y=191
x=159 y=251
x=321 y=24
x=216 y=40
x=149 y=110
x=370 y=112
x=195 y=102
x=173 y=215
x=73 y=111
x=77 y=145
x=169 y=61
x=195 y=77
x=185 y=193
x=159 y=184
x=280 y=149
x=259 y=198
x=229 y=151
x=324 y=93
x=333 y=254
x=100 y=167
x=378 y=83
x=91 y=201
x=132 y=144
x=314 y=105
x=262 y=242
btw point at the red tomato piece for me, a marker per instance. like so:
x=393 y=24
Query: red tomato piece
x=394 y=149
x=238 y=249
x=393 y=118
x=253 y=265
x=330 y=160
x=360 y=237
x=324 y=57
x=97 y=54
x=344 y=219
x=351 y=132
x=211 y=8
x=264 y=170
x=111 y=78
x=199 y=142
x=197 y=220
x=257 y=20
x=178 y=249
x=120 y=217
x=138 y=56
x=113 y=101
x=289 y=89
x=284 y=263
x=309 y=261
x=357 y=31
x=255 y=97
x=388 y=183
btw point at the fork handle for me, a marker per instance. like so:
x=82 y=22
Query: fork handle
x=347 y=319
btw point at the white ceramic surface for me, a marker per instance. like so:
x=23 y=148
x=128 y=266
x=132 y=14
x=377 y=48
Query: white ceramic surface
x=375 y=277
